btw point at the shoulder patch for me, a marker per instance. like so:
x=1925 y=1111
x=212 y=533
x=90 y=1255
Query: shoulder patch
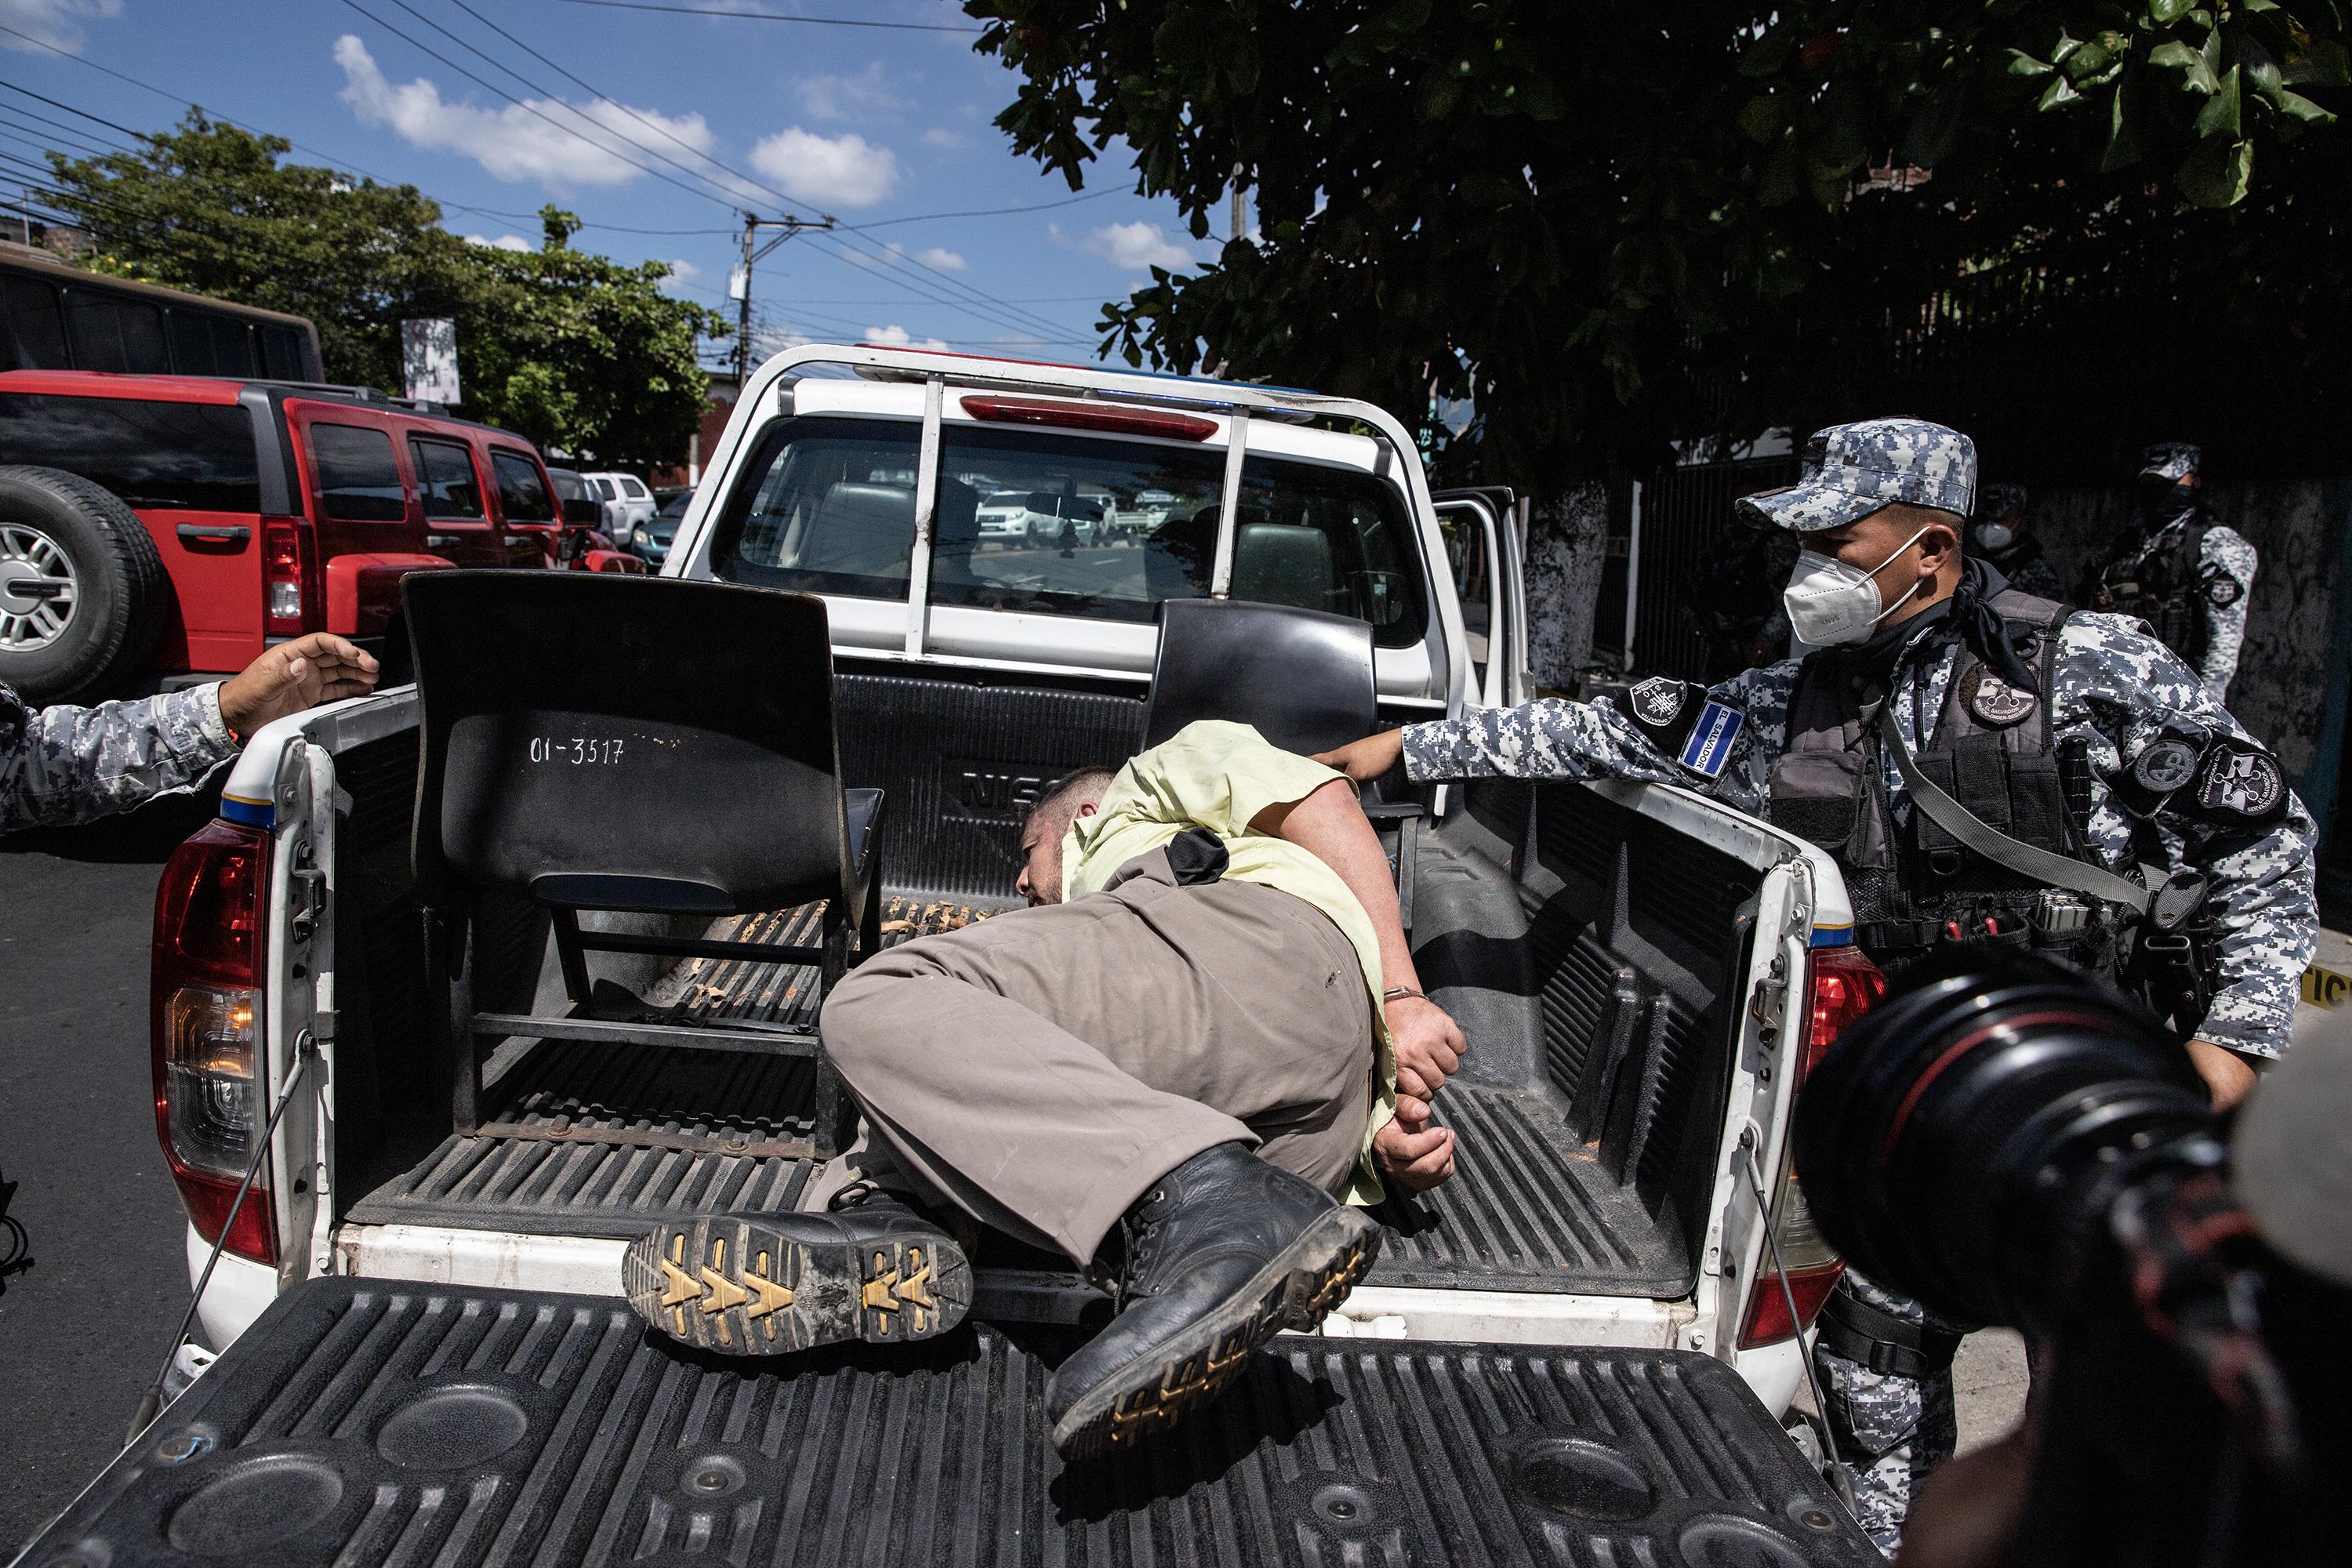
x=1709 y=749
x=1659 y=700
x=2240 y=781
x=2164 y=766
x=2221 y=590
x=1661 y=708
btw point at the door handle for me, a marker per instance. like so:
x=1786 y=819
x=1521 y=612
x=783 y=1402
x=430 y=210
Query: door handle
x=213 y=534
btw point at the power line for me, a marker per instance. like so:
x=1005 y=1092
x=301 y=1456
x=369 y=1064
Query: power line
x=980 y=212
x=527 y=108
x=69 y=108
x=187 y=103
x=772 y=17
x=59 y=140
x=976 y=301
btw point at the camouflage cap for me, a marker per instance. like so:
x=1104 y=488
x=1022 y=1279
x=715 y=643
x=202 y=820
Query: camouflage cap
x=2174 y=460
x=1852 y=470
x=1997 y=501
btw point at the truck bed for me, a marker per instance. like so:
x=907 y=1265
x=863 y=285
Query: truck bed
x=1595 y=1002
x=367 y=1423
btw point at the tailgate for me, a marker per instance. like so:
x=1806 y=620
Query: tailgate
x=359 y=1423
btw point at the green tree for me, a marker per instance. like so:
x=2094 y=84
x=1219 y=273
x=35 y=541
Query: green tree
x=570 y=349
x=1624 y=215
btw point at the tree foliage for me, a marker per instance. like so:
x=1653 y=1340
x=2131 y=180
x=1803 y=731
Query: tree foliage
x=1628 y=217
x=571 y=349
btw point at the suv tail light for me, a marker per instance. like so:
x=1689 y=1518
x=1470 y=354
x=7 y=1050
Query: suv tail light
x=1841 y=985
x=205 y=1030
x=289 y=590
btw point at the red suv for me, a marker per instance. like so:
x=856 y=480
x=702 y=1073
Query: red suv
x=160 y=527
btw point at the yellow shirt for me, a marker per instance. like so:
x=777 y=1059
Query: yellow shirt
x=1219 y=776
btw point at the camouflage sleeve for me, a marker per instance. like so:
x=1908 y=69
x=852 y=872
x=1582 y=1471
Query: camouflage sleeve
x=2217 y=802
x=2227 y=577
x=63 y=764
x=1675 y=734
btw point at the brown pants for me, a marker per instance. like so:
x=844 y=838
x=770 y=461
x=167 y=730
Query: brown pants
x=1040 y=1070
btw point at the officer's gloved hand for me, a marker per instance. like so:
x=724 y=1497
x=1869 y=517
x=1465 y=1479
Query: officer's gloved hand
x=292 y=677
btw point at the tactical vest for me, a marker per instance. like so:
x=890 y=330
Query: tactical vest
x=1914 y=887
x=2163 y=586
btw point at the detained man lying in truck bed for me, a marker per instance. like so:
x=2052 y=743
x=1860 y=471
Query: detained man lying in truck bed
x=1203 y=1032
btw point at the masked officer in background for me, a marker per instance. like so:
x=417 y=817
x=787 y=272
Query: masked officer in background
x=2188 y=576
x=2002 y=539
x=1985 y=767
x=63 y=764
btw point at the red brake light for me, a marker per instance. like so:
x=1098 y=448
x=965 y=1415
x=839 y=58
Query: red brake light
x=289 y=590
x=206 y=1029
x=1767 y=1310
x=1118 y=420
x=1841 y=985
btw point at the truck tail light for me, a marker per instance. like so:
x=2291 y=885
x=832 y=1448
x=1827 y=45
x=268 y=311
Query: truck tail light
x=205 y=1030
x=289 y=592
x=1841 y=985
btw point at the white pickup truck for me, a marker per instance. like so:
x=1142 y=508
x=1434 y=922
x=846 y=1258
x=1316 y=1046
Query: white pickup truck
x=1549 y=1353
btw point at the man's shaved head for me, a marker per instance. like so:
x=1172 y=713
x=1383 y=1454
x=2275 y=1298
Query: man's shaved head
x=1075 y=794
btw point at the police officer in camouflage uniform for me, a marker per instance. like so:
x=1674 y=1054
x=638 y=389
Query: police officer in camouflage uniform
x=2077 y=735
x=2003 y=538
x=2188 y=576
x=64 y=764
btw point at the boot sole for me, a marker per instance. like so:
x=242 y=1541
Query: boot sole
x=742 y=1287
x=1153 y=1392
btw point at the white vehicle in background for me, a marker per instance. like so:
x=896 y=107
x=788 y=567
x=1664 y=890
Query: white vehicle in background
x=627 y=499
x=1004 y=519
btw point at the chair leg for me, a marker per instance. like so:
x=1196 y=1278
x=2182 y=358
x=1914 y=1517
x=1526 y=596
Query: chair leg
x=835 y=1110
x=449 y=948
x=571 y=957
x=869 y=925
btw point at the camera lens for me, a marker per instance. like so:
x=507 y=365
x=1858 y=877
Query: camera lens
x=1957 y=1142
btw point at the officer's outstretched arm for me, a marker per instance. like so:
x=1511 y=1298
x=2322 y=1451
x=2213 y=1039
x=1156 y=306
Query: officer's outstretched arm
x=1670 y=732
x=65 y=764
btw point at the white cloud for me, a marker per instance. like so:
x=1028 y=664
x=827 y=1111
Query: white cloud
x=512 y=143
x=1138 y=247
x=503 y=242
x=948 y=141
x=844 y=97
x=895 y=336
x=845 y=171
x=681 y=273
x=944 y=260
x=57 y=23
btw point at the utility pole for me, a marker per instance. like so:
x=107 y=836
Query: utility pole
x=753 y=251
x=1241 y=209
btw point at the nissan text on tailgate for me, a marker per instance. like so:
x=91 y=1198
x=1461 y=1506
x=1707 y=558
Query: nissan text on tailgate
x=1576 y=1350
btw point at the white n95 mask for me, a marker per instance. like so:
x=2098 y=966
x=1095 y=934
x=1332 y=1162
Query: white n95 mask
x=1831 y=603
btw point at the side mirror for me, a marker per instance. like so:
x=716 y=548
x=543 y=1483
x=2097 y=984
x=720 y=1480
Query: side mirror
x=1046 y=503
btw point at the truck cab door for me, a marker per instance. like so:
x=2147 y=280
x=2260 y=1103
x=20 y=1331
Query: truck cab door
x=1493 y=596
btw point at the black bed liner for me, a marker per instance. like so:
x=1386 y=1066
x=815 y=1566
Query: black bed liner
x=363 y=1423
x=1530 y=1209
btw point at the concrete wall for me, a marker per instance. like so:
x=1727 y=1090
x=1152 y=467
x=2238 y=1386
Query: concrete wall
x=2290 y=688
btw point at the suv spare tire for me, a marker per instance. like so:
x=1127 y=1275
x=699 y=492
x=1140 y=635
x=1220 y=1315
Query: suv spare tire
x=82 y=589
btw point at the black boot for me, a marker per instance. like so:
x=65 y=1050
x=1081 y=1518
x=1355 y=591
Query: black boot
x=872 y=1270
x=1223 y=1253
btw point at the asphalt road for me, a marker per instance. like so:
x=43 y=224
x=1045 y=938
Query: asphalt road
x=86 y=1314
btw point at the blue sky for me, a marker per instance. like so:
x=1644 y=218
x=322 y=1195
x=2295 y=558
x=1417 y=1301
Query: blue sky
x=869 y=124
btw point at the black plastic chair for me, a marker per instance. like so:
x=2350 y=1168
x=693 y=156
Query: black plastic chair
x=633 y=744
x=1302 y=679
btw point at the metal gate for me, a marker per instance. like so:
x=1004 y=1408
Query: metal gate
x=1707 y=591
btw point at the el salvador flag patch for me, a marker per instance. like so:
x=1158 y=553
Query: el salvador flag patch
x=1709 y=746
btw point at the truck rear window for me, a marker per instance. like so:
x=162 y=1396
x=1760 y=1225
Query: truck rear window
x=1058 y=524
x=186 y=456
x=359 y=479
